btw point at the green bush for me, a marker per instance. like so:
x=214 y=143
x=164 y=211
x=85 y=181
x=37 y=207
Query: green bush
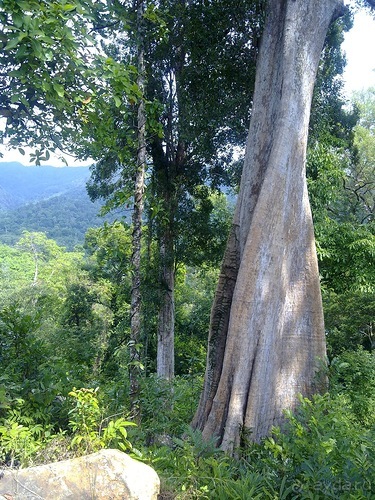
x=322 y=452
x=166 y=407
x=91 y=431
x=21 y=435
x=24 y=441
x=352 y=374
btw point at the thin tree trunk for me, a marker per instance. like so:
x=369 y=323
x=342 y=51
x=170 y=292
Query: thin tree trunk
x=267 y=331
x=165 y=180
x=170 y=162
x=166 y=320
x=135 y=311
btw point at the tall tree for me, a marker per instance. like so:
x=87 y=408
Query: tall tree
x=267 y=332
x=345 y=232
x=201 y=71
x=203 y=74
x=135 y=310
x=360 y=182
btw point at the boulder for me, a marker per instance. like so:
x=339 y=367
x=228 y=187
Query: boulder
x=107 y=474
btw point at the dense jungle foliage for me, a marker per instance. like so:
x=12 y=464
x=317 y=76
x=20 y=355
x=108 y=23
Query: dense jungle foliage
x=64 y=333
x=64 y=310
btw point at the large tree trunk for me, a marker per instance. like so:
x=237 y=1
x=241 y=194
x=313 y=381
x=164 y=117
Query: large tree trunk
x=267 y=332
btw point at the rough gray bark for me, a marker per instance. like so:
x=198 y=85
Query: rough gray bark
x=166 y=320
x=172 y=163
x=219 y=322
x=135 y=307
x=267 y=332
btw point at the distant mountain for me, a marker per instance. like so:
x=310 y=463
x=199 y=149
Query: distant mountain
x=20 y=185
x=46 y=199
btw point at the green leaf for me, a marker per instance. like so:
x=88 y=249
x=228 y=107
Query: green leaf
x=59 y=89
x=15 y=98
x=18 y=19
x=15 y=73
x=117 y=101
x=37 y=48
x=23 y=5
x=12 y=43
x=69 y=7
x=47 y=40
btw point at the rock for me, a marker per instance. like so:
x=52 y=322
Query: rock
x=105 y=475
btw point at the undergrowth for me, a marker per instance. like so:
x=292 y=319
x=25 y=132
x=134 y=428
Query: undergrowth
x=326 y=449
x=322 y=453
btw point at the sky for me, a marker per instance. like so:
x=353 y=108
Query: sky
x=359 y=46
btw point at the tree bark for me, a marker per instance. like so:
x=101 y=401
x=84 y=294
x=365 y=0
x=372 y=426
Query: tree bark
x=267 y=332
x=165 y=167
x=135 y=307
x=166 y=320
x=169 y=161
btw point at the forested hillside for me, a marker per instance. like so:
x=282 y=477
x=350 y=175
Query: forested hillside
x=231 y=348
x=64 y=218
x=21 y=185
x=47 y=199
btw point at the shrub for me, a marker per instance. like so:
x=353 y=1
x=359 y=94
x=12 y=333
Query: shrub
x=92 y=432
x=321 y=453
x=352 y=374
x=24 y=441
x=166 y=407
